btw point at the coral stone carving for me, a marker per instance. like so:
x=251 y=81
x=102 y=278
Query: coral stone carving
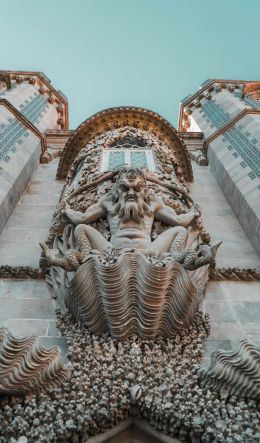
x=26 y=367
x=237 y=371
x=112 y=380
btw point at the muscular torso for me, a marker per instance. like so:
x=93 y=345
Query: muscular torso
x=129 y=234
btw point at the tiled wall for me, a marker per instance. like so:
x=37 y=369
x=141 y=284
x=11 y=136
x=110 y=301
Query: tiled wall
x=20 y=147
x=234 y=158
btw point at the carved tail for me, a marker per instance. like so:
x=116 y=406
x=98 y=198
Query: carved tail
x=209 y=257
x=69 y=262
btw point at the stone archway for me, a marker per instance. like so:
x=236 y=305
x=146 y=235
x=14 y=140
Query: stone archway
x=115 y=118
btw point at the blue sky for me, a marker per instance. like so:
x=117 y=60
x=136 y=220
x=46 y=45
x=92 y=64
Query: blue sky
x=148 y=53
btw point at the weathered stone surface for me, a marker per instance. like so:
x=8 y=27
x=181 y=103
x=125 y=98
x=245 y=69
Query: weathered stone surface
x=220 y=221
x=234 y=313
x=30 y=220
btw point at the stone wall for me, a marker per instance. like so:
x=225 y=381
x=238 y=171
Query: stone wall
x=234 y=160
x=27 y=110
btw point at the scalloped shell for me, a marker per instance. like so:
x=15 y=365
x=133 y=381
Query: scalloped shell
x=26 y=367
x=237 y=371
x=132 y=295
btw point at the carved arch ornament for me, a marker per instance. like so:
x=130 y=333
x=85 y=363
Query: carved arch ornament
x=115 y=118
x=6 y=79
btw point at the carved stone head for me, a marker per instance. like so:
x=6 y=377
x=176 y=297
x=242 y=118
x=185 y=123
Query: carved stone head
x=131 y=195
x=131 y=184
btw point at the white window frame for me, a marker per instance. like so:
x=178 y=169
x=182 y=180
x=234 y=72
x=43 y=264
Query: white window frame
x=148 y=154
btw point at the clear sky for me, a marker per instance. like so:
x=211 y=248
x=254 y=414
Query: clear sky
x=148 y=53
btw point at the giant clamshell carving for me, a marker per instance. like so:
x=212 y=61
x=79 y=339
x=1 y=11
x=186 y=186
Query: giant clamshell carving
x=26 y=367
x=133 y=295
x=236 y=371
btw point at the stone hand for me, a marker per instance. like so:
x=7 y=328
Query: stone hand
x=196 y=209
x=64 y=209
x=45 y=249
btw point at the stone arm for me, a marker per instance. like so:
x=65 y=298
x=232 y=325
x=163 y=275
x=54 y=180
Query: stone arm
x=168 y=216
x=93 y=213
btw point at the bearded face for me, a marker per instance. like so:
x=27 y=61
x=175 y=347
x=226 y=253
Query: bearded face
x=131 y=199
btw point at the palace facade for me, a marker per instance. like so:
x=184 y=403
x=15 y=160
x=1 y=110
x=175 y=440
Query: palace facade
x=212 y=160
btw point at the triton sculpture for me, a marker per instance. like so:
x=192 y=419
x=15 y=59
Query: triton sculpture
x=128 y=257
x=132 y=260
x=131 y=211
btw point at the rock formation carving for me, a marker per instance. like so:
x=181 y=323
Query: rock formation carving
x=26 y=367
x=101 y=392
x=237 y=371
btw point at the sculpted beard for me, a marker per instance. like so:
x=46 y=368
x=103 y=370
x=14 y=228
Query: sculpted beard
x=132 y=210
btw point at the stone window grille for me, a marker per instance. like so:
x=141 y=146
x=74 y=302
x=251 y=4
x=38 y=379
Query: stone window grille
x=115 y=158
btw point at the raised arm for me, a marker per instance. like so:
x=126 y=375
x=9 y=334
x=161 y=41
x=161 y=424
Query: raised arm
x=168 y=216
x=93 y=213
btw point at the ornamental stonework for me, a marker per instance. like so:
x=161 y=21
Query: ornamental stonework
x=127 y=261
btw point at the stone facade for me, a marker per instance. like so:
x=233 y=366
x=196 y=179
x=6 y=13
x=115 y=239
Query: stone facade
x=128 y=386
x=228 y=114
x=29 y=105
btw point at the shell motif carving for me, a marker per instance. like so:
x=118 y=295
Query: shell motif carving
x=237 y=372
x=132 y=295
x=26 y=367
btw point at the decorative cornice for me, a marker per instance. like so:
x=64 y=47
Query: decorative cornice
x=231 y=123
x=24 y=121
x=117 y=117
x=43 y=79
x=217 y=274
x=5 y=77
x=209 y=86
